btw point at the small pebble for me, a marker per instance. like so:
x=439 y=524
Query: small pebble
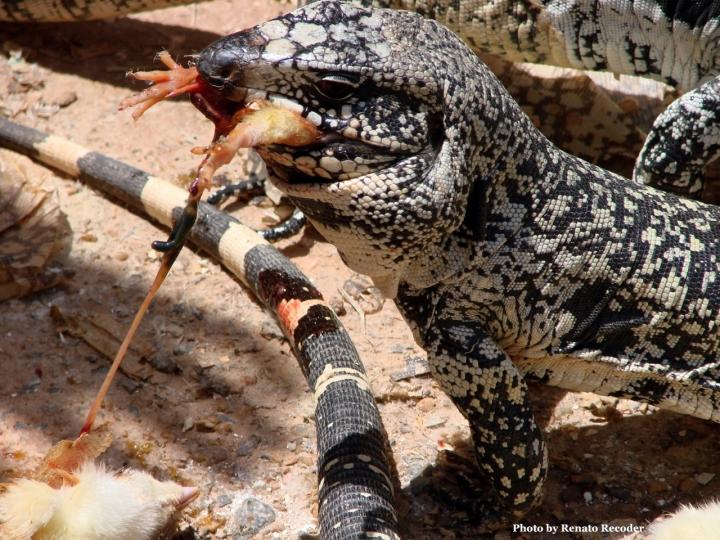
x=309 y=531
x=44 y=110
x=130 y=385
x=619 y=492
x=182 y=348
x=307 y=459
x=426 y=404
x=32 y=385
x=88 y=237
x=226 y=418
x=164 y=364
x=251 y=516
x=206 y=361
x=704 y=478
x=435 y=420
x=656 y=486
x=240 y=475
x=212 y=455
x=207 y=424
x=61 y=98
x=210 y=385
x=246 y=447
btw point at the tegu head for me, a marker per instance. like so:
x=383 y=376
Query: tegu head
x=399 y=103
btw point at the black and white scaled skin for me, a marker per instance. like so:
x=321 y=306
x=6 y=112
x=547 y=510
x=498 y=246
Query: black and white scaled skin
x=684 y=139
x=677 y=43
x=509 y=259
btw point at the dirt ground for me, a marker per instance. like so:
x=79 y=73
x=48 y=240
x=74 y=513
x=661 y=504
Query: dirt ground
x=220 y=402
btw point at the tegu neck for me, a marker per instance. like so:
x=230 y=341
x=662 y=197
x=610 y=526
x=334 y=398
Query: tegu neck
x=495 y=155
x=493 y=141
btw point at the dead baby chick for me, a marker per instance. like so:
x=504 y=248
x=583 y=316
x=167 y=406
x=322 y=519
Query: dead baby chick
x=85 y=501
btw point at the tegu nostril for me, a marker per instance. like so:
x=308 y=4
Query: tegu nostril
x=225 y=71
x=222 y=63
x=216 y=65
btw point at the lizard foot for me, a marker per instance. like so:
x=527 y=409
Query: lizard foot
x=455 y=494
x=255 y=185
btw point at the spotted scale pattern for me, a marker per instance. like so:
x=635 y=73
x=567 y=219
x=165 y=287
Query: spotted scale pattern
x=686 y=137
x=674 y=42
x=507 y=257
x=677 y=43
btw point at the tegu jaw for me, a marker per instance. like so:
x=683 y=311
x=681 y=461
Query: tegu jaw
x=378 y=184
x=247 y=67
x=327 y=62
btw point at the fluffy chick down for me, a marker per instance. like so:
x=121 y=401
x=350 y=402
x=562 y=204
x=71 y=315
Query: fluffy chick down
x=130 y=505
x=700 y=522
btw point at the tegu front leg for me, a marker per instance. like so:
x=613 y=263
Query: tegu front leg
x=490 y=392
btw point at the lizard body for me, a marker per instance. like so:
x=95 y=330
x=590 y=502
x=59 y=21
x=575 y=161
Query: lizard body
x=508 y=257
x=431 y=252
x=672 y=42
x=677 y=43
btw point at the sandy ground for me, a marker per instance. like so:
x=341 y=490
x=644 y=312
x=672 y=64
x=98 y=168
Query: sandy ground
x=221 y=403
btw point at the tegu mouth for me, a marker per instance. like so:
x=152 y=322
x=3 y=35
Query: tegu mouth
x=302 y=151
x=332 y=158
x=299 y=144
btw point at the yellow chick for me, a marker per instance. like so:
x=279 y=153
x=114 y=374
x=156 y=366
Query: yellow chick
x=689 y=523
x=131 y=505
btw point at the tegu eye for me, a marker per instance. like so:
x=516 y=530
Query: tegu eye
x=336 y=87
